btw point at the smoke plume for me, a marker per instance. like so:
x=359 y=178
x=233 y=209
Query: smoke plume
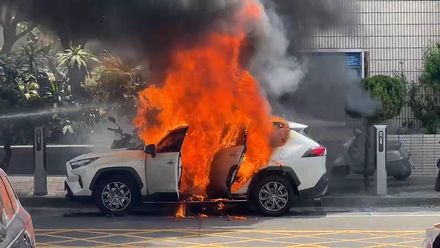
x=148 y=29
x=278 y=71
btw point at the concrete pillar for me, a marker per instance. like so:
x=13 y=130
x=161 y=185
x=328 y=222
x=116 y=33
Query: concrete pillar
x=40 y=173
x=380 y=159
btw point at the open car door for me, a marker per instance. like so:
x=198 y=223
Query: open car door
x=224 y=168
x=164 y=169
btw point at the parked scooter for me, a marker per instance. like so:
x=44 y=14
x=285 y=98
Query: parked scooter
x=126 y=140
x=398 y=163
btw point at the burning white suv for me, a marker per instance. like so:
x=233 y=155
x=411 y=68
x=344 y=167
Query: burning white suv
x=120 y=179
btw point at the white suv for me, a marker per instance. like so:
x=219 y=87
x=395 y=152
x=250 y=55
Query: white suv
x=120 y=179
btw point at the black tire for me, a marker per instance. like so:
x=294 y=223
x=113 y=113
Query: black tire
x=403 y=174
x=107 y=186
x=437 y=182
x=258 y=195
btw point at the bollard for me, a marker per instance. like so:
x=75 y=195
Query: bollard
x=40 y=173
x=380 y=159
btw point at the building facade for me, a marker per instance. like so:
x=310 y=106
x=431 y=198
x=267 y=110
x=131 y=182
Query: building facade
x=393 y=33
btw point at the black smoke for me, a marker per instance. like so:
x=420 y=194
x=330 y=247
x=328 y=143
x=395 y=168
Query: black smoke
x=145 y=26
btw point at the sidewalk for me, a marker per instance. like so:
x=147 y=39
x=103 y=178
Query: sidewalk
x=347 y=192
x=417 y=191
x=24 y=187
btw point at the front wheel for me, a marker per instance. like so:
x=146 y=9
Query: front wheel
x=273 y=195
x=115 y=195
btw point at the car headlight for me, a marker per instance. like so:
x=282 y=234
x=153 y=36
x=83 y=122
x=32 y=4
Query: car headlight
x=82 y=162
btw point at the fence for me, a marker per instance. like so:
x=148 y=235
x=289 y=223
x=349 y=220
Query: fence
x=424 y=150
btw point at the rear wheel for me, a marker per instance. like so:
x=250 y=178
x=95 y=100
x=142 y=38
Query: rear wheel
x=403 y=173
x=273 y=195
x=116 y=195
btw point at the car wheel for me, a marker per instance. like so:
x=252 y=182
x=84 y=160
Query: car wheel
x=273 y=195
x=403 y=173
x=115 y=195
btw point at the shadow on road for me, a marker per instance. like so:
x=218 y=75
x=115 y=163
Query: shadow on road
x=201 y=210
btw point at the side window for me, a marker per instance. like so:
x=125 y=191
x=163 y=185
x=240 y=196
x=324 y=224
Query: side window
x=8 y=210
x=173 y=141
x=11 y=193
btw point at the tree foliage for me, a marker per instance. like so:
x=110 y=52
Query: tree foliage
x=13 y=23
x=389 y=91
x=69 y=91
x=425 y=98
x=76 y=62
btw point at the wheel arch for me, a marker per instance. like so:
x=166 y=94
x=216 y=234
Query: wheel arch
x=283 y=171
x=119 y=171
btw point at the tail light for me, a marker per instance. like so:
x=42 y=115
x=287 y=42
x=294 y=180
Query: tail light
x=318 y=151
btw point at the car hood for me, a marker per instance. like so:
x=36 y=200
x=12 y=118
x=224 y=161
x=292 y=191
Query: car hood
x=118 y=153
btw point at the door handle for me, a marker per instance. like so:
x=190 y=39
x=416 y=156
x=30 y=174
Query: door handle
x=170 y=163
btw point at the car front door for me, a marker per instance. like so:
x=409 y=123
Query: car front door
x=163 y=168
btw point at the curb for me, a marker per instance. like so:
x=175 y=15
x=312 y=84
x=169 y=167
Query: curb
x=50 y=202
x=375 y=201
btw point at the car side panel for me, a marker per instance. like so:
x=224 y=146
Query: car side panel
x=84 y=175
x=309 y=170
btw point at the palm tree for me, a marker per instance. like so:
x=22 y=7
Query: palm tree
x=76 y=62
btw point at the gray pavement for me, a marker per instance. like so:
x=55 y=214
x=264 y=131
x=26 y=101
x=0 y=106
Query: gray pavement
x=347 y=192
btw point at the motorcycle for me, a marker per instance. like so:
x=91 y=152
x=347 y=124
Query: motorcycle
x=126 y=140
x=398 y=162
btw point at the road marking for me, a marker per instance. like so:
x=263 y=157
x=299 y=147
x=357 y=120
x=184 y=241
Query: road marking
x=228 y=237
x=378 y=214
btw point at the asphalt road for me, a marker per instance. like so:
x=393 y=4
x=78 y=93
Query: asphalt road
x=301 y=228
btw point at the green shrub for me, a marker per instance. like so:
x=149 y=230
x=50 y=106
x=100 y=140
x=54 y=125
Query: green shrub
x=389 y=91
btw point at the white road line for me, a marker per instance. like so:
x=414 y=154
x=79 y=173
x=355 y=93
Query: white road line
x=376 y=214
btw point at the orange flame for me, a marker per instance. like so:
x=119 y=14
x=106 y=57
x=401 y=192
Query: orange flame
x=220 y=206
x=237 y=218
x=181 y=211
x=208 y=88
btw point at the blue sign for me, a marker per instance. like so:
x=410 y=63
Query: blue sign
x=353 y=59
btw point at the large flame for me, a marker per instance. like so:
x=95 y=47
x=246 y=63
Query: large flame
x=208 y=88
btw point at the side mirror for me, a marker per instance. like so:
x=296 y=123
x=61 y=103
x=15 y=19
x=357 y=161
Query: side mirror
x=150 y=149
x=3 y=233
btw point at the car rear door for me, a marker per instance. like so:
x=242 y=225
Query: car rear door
x=163 y=171
x=224 y=168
